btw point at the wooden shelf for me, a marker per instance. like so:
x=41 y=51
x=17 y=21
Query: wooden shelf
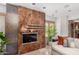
x=34 y=28
x=74 y=29
x=35 y=25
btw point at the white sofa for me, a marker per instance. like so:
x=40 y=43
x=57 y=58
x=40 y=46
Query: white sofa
x=60 y=50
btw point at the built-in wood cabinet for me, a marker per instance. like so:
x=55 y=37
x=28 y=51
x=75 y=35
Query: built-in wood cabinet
x=33 y=17
x=21 y=20
x=38 y=17
x=31 y=21
x=74 y=28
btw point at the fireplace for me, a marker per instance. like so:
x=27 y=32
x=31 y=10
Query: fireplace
x=31 y=34
x=29 y=37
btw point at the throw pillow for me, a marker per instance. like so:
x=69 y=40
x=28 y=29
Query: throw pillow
x=76 y=43
x=71 y=42
x=65 y=42
x=60 y=40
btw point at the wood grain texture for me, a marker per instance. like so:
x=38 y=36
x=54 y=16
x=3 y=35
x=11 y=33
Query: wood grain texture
x=31 y=17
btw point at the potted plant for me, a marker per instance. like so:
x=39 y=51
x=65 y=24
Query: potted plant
x=51 y=32
x=3 y=42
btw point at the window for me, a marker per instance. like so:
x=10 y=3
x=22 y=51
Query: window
x=47 y=24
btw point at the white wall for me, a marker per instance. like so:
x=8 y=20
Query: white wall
x=74 y=17
x=2 y=24
x=62 y=26
x=2 y=18
x=58 y=25
x=2 y=8
x=49 y=18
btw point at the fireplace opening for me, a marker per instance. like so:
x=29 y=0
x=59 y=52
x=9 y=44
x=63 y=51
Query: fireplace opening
x=29 y=37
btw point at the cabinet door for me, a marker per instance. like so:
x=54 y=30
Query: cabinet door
x=42 y=19
x=76 y=26
x=35 y=18
x=25 y=15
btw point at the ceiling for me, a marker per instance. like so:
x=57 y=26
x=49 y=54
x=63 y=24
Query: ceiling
x=55 y=9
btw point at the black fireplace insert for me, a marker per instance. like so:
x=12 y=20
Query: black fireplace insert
x=29 y=37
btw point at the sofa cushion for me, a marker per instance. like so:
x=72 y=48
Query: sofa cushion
x=71 y=42
x=65 y=42
x=76 y=43
x=60 y=40
x=65 y=50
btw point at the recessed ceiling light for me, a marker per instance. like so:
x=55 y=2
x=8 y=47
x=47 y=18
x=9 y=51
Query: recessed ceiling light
x=69 y=10
x=56 y=11
x=53 y=15
x=66 y=6
x=44 y=7
x=67 y=16
x=33 y=3
x=56 y=18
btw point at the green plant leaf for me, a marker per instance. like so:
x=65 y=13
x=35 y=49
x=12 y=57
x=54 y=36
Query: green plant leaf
x=51 y=32
x=3 y=41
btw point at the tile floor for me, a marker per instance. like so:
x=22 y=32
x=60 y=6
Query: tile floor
x=43 y=51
